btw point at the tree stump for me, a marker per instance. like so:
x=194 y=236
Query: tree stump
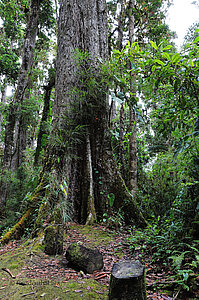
x=127 y=281
x=53 y=240
x=82 y=258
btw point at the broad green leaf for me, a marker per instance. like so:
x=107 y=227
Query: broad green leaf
x=191 y=63
x=176 y=58
x=159 y=62
x=196 y=39
x=153 y=44
x=115 y=51
x=154 y=67
x=167 y=47
x=111 y=199
x=166 y=55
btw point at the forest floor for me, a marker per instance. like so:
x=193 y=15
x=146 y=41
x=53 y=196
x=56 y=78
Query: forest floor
x=26 y=272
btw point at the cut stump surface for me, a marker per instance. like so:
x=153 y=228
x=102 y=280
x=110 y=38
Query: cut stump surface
x=127 y=281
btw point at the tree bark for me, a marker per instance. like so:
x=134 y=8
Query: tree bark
x=3 y=100
x=82 y=26
x=132 y=115
x=122 y=152
x=44 y=119
x=132 y=151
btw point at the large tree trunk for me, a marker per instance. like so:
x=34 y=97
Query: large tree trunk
x=14 y=108
x=82 y=26
x=87 y=31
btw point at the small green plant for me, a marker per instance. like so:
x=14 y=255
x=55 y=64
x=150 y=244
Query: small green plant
x=112 y=218
x=111 y=199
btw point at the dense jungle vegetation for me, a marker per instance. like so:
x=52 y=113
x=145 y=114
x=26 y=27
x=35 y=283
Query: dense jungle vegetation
x=101 y=126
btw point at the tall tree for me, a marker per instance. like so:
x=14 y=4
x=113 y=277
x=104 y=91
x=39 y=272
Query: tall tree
x=94 y=152
x=132 y=115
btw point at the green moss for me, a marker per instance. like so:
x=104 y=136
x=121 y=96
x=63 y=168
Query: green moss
x=13 y=261
x=56 y=217
x=87 y=289
x=96 y=237
x=53 y=239
x=42 y=215
x=14 y=266
x=75 y=251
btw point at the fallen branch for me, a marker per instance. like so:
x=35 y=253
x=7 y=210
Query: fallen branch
x=100 y=276
x=9 y=272
x=31 y=293
x=161 y=283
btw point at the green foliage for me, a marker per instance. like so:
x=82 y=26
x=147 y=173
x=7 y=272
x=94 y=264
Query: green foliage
x=90 y=96
x=162 y=240
x=111 y=199
x=21 y=184
x=9 y=62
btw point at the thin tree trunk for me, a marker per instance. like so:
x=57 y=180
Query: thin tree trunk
x=45 y=116
x=91 y=214
x=3 y=100
x=132 y=152
x=121 y=149
x=120 y=45
x=132 y=115
x=20 y=135
x=120 y=25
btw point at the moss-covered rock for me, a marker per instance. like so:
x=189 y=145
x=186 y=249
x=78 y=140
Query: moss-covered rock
x=53 y=239
x=85 y=259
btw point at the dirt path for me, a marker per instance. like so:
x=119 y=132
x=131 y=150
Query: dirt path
x=37 y=275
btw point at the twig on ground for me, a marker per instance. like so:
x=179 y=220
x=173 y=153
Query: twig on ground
x=175 y=297
x=31 y=293
x=100 y=276
x=9 y=272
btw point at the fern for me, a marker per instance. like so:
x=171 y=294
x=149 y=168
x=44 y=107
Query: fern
x=178 y=259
